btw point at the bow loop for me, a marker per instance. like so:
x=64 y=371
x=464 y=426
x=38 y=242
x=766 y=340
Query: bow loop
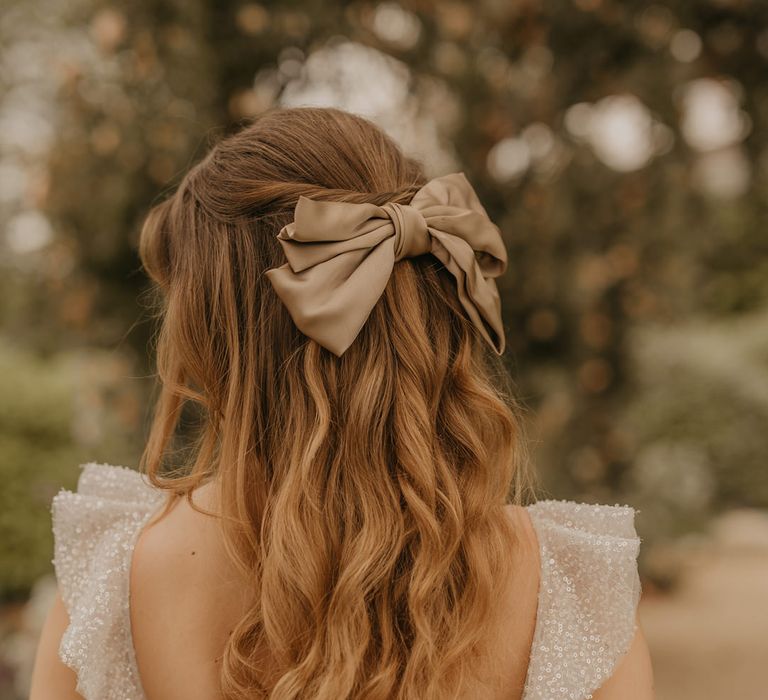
x=340 y=256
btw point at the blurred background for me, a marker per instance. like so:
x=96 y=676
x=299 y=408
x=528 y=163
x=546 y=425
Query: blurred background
x=622 y=146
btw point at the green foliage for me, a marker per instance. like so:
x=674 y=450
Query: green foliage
x=698 y=420
x=37 y=458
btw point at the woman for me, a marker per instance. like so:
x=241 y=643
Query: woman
x=353 y=522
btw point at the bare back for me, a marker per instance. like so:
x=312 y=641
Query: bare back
x=186 y=594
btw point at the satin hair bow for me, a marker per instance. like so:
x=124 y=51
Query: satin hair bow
x=341 y=254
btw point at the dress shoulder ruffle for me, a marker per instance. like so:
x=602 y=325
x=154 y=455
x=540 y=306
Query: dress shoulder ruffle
x=95 y=529
x=588 y=595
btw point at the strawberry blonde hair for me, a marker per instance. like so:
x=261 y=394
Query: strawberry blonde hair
x=361 y=496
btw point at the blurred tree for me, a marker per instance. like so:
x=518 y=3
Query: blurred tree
x=620 y=144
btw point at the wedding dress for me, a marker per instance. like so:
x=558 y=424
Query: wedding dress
x=588 y=591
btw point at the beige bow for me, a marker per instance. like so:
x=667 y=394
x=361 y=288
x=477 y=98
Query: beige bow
x=341 y=254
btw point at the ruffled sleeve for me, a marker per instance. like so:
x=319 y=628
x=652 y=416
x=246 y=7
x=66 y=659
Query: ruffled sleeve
x=588 y=597
x=94 y=533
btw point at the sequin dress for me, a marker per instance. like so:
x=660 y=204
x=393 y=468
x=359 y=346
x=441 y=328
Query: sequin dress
x=588 y=592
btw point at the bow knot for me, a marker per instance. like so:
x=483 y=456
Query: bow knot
x=340 y=256
x=411 y=234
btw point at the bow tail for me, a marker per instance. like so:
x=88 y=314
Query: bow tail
x=478 y=294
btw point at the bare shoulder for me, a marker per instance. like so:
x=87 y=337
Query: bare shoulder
x=516 y=609
x=526 y=552
x=184 y=594
x=174 y=539
x=633 y=677
x=521 y=520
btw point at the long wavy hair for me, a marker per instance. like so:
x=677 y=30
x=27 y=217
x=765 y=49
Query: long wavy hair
x=361 y=496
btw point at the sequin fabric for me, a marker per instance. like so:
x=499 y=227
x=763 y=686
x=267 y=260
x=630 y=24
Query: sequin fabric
x=94 y=533
x=588 y=591
x=588 y=595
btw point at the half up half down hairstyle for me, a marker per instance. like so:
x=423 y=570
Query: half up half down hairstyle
x=361 y=496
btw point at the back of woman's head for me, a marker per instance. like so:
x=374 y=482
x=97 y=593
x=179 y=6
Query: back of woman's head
x=360 y=494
